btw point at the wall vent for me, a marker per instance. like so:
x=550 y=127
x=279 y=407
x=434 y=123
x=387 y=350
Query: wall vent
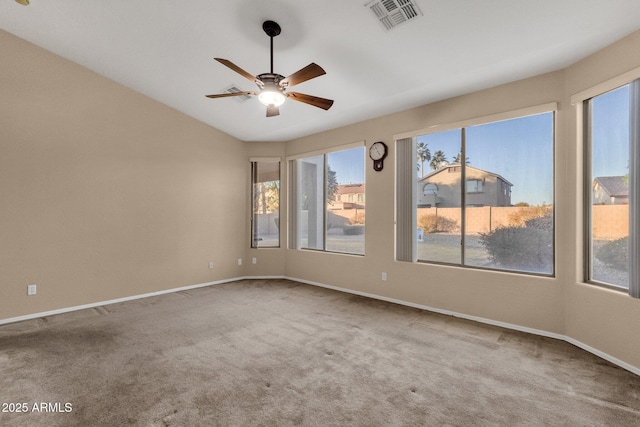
x=392 y=13
x=234 y=89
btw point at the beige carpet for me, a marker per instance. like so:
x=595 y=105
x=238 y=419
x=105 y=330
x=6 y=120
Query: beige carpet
x=278 y=353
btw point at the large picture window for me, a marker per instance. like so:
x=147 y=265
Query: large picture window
x=484 y=195
x=265 y=196
x=328 y=195
x=608 y=179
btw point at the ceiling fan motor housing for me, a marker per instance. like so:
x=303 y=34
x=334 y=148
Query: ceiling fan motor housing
x=270 y=78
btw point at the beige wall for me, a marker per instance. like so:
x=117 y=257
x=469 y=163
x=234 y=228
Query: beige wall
x=106 y=193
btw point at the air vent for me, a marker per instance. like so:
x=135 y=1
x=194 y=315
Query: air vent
x=392 y=13
x=236 y=89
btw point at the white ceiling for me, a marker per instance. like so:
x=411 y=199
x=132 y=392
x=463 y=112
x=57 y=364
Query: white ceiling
x=165 y=49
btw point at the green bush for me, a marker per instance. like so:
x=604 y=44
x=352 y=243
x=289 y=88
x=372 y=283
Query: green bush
x=543 y=222
x=521 y=248
x=615 y=253
x=352 y=230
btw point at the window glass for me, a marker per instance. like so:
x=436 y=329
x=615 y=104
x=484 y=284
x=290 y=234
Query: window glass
x=330 y=201
x=265 y=224
x=345 y=220
x=439 y=197
x=509 y=198
x=310 y=202
x=609 y=183
x=474 y=186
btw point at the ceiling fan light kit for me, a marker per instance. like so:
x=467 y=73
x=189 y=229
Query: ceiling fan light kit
x=271 y=95
x=272 y=87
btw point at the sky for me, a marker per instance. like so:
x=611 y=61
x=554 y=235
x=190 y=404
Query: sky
x=520 y=150
x=610 y=153
x=349 y=165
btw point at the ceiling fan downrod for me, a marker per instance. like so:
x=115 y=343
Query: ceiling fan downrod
x=272 y=29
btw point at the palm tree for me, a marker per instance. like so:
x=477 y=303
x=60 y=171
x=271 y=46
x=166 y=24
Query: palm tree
x=424 y=155
x=438 y=160
x=458 y=159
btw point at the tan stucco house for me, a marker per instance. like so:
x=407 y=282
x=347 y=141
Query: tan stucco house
x=442 y=188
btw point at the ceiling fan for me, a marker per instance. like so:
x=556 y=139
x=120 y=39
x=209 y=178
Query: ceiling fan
x=272 y=87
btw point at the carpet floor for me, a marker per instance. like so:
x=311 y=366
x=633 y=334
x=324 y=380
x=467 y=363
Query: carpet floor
x=279 y=353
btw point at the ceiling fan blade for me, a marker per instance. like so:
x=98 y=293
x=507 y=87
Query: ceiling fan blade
x=323 y=103
x=309 y=72
x=239 y=70
x=272 y=111
x=224 y=95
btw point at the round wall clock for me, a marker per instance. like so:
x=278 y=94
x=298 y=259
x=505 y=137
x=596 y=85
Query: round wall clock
x=378 y=152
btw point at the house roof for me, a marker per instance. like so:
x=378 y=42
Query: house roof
x=452 y=165
x=166 y=51
x=614 y=186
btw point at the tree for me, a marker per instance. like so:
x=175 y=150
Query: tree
x=424 y=155
x=458 y=159
x=332 y=185
x=272 y=195
x=438 y=160
x=266 y=197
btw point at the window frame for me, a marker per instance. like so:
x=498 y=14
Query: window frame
x=407 y=252
x=479 y=183
x=292 y=172
x=585 y=107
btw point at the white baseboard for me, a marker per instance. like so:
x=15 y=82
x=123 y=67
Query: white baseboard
x=114 y=301
x=565 y=338
x=533 y=331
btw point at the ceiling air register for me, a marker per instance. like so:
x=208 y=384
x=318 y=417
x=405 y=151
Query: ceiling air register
x=392 y=13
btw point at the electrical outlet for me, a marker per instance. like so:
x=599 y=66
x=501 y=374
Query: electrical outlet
x=239 y=261
x=384 y=277
x=210 y=266
x=31 y=290
x=254 y=260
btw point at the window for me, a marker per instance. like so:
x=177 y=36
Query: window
x=265 y=196
x=430 y=190
x=320 y=221
x=610 y=179
x=492 y=210
x=474 y=186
